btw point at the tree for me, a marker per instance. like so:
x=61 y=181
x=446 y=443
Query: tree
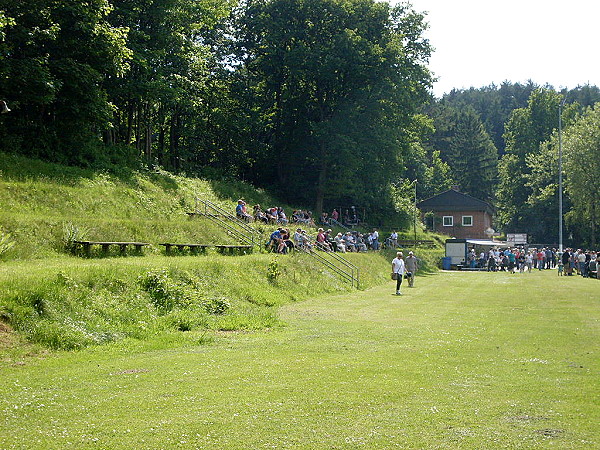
x=55 y=57
x=338 y=84
x=464 y=145
x=582 y=166
x=161 y=102
x=526 y=129
x=472 y=156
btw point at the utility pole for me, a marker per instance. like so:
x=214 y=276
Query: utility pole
x=560 y=176
x=415 y=216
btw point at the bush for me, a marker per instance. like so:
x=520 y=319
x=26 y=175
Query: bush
x=165 y=293
x=6 y=243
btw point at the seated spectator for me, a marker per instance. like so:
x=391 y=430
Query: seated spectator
x=241 y=212
x=349 y=240
x=281 y=217
x=360 y=243
x=369 y=241
x=340 y=243
x=335 y=215
x=298 y=238
x=271 y=214
x=324 y=219
x=259 y=214
x=346 y=218
x=286 y=242
x=322 y=243
x=275 y=240
x=309 y=218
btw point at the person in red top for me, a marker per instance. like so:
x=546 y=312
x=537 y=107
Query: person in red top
x=335 y=215
x=540 y=256
x=322 y=241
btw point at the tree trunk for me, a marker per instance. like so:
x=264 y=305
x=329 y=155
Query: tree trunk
x=321 y=183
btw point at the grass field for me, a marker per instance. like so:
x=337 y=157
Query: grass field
x=463 y=360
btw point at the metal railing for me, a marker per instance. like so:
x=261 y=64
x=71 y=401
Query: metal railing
x=349 y=272
x=339 y=224
x=233 y=225
x=249 y=235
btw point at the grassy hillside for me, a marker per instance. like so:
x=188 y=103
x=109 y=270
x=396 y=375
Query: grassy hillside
x=57 y=300
x=40 y=204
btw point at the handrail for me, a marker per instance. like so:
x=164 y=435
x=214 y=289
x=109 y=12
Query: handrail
x=252 y=236
x=346 y=275
x=339 y=224
x=346 y=263
x=223 y=212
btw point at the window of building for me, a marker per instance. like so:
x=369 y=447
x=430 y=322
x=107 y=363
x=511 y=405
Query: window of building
x=467 y=221
x=448 y=221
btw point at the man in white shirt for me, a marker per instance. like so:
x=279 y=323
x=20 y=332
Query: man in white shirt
x=398 y=268
x=375 y=236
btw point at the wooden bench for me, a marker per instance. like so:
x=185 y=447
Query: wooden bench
x=87 y=246
x=234 y=249
x=194 y=248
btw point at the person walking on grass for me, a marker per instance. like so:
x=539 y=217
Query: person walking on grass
x=412 y=266
x=398 y=269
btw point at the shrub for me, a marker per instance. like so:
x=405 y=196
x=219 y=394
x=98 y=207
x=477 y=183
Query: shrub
x=71 y=234
x=6 y=243
x=217 y=305
x=165 y=293
x=273 y=271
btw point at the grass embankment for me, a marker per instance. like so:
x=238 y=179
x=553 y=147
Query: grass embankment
x=463 y=360
x=41 y=205
x=61 y=302
x=71 y=303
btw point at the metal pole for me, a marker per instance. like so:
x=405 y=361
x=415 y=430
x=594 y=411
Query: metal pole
x=560 y=177
x=415 y=215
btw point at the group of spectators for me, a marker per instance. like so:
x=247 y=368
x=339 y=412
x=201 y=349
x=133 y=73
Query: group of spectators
x=274 y=215
x=582 y=262
x=520 y=259
x=349 y=218
x=281 y=241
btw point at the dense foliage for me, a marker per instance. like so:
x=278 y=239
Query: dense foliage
x=316 y=99
x=324 y=102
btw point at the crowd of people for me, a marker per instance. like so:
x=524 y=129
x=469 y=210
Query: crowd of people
x=282 y=240
x=519 y=259
x=274 y=215
x=350 y=218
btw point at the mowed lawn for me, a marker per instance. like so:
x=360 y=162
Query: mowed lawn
x=463 y=360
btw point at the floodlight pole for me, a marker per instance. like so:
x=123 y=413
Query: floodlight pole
x=415 y=215
x=560 y=176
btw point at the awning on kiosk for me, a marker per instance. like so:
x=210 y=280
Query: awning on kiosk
x=486 y=243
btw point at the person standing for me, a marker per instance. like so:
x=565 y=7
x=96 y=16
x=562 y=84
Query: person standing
x=398 y=268
x=394 y=239
x=412 y=266
x=375 y=243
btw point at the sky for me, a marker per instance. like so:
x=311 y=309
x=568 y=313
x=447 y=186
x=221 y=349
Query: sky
x=480 y=42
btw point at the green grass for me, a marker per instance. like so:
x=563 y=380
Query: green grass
x=463 y=360
x=71 y=303
x=40 y=201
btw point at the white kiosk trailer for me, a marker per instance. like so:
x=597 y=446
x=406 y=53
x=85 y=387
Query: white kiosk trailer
x=458 y=249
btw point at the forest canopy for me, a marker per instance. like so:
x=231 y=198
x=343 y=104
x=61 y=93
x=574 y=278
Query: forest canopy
x=324 y=102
